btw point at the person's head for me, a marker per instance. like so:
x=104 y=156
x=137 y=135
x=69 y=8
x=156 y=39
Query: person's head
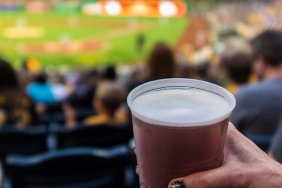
x=267 y=51
x=8 y=77
x=109 y=97
x=109 y=73
x=40 y=78
x=161 y=62
x=238 y=66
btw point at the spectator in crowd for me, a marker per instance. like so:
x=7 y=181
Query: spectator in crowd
x=108 y=104
x=259 y=107
x=82 y=92
x=244 y=165
x=109 y=73
x=59 y=88
x=238 y=66
x=16 y=108
x=41 y=91
x=82 y=89
x=276 y=145
x=160 y=64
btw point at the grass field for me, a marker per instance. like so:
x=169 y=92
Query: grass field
x=75 y=40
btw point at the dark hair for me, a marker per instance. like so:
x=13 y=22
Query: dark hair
x=17 y=106
x=161 y=62
x=40 y=78
x=109 y=73
x=238 y=66
x=268 y=44
x=8 y=77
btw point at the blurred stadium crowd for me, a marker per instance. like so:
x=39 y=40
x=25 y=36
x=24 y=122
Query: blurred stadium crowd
x=80 y=118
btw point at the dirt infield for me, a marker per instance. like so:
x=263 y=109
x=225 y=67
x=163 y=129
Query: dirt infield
x=65 y=45
x=78 y=23
x=77 y=40
x=25 y=32
x=63 y=48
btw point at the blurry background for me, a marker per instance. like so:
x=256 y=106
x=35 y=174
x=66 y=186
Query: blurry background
x=66 y=67
x=69 y=34
x=73 y=33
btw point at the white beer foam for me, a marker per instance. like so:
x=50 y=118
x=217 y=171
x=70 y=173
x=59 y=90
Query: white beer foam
x=181 y=107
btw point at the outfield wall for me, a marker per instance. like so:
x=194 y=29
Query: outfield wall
x=146 y=8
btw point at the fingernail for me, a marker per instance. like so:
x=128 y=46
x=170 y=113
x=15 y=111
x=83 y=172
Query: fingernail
x=177 y=184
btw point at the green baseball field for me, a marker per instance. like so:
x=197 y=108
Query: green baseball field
x=75 y=40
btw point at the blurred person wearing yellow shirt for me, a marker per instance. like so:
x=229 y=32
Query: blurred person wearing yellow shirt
x=108 y=104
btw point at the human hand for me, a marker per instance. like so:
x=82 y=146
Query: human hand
x=244 y=165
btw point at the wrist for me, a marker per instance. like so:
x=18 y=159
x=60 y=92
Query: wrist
x=276 y=175
x=265 y=175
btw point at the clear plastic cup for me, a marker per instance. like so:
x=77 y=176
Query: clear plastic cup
x=179 y=128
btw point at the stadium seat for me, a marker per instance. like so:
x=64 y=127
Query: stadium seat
x=26 y=141
x=69 y=168
x=102 y=136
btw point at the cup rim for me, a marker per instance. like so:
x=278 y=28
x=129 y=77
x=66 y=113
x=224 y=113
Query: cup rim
x=181 y=82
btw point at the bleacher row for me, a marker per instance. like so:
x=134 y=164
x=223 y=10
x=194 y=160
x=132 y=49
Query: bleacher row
x=58 y=157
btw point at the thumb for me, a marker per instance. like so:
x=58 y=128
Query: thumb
x=208 y=179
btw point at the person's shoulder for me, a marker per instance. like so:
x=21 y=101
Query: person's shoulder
x=255 y=91
x=257 y=88
x=95 y=119
x=247 y=90
x=272 y=84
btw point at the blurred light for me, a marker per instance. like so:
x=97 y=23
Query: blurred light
x=113 y=8
x=140 y=8
x=33 y=65
x=167 y=8
x=92 y=8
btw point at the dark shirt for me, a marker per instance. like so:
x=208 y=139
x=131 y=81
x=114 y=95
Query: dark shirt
x=258 y=108
x=82 y=99
x=276 y=146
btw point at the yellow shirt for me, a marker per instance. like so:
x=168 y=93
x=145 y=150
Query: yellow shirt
x=104 y=119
